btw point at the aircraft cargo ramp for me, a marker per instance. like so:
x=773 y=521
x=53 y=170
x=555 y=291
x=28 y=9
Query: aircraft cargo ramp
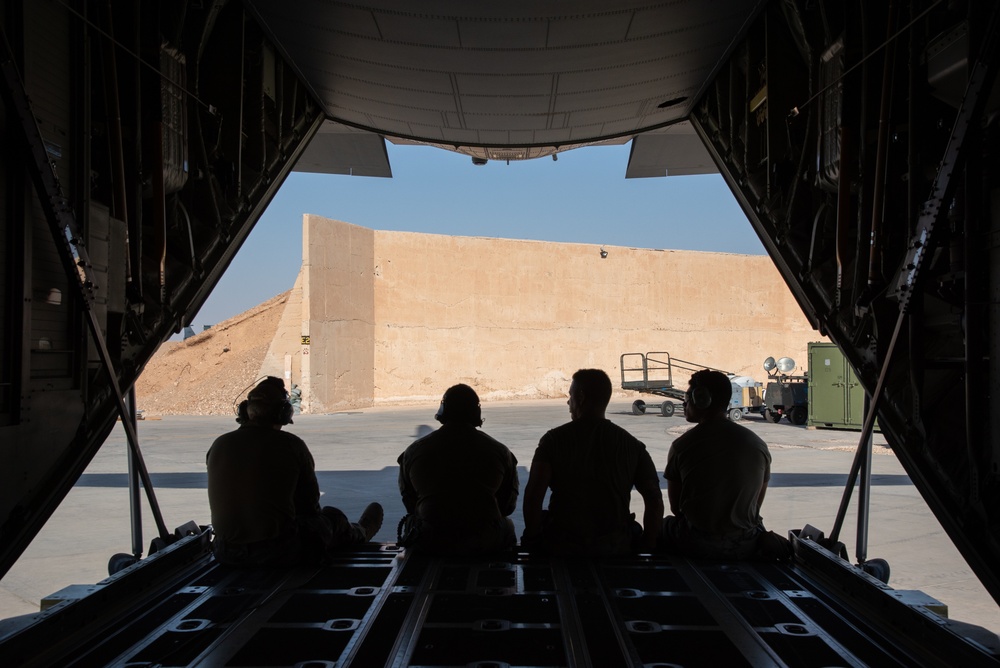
x=381 y=606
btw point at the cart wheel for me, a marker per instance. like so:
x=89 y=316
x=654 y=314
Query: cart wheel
x=120 y=561
x=797 y=415
x=772 y=416
x=667 y=409
x=638 y=407
x=878 y=569
x=735 y=414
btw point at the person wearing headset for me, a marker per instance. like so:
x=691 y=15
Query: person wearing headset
x=591 y=465
x=458 y=484
x=263 y=492
x=717 y=474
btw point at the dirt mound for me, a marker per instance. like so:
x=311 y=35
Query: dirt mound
x=204 y=374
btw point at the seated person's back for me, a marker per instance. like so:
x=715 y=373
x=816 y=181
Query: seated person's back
x=590 y=465
x=260 y=481
x=594 y=464
x=263 y=492
x=459 y=484
x=723 y=471
x=717 y=474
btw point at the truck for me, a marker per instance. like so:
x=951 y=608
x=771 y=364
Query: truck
x=786 y=395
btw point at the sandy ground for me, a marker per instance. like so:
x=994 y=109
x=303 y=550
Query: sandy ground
x=207 y=373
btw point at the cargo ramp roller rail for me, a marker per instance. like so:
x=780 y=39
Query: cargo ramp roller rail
x=382 y=606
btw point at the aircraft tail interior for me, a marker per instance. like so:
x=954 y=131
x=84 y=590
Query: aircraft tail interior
x=143 y=140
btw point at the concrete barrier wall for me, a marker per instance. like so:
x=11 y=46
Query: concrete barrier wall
x=395 y=317
x=514 y=318
x=338 y=318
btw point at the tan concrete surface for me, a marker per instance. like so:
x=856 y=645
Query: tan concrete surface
x=338 y=296
x=396 y=317
x=209 y=373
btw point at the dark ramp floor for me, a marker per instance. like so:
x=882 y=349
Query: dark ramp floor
x=379 y=606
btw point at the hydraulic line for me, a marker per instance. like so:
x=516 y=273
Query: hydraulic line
x=981 y=76
x=881 y=147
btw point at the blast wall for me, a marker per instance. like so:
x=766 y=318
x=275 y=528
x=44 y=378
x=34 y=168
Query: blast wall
x=338 y=295
x=394 y=317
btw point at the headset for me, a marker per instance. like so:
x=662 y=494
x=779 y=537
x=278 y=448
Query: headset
x=699 y=396
x=283 y=410
x=473 y=414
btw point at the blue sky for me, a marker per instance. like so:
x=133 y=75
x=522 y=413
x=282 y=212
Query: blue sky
x=582 y=198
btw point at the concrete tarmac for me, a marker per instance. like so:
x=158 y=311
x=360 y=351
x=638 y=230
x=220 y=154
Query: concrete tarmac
x=356 y=455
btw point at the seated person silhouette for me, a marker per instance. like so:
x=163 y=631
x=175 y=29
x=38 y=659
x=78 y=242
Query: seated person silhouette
x=717 y=474
x=263 y=492
x=590 y=465
x=458 y=484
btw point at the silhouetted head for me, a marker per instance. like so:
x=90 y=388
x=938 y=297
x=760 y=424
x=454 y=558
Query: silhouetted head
x=589 y=393
x=707 y=396
x=460 y=403
x=268 y=403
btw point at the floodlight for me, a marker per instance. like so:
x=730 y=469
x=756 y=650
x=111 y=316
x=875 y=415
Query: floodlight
x=769 y=364
x=786 y=364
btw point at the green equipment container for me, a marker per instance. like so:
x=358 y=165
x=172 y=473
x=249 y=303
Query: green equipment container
x=836 y=398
